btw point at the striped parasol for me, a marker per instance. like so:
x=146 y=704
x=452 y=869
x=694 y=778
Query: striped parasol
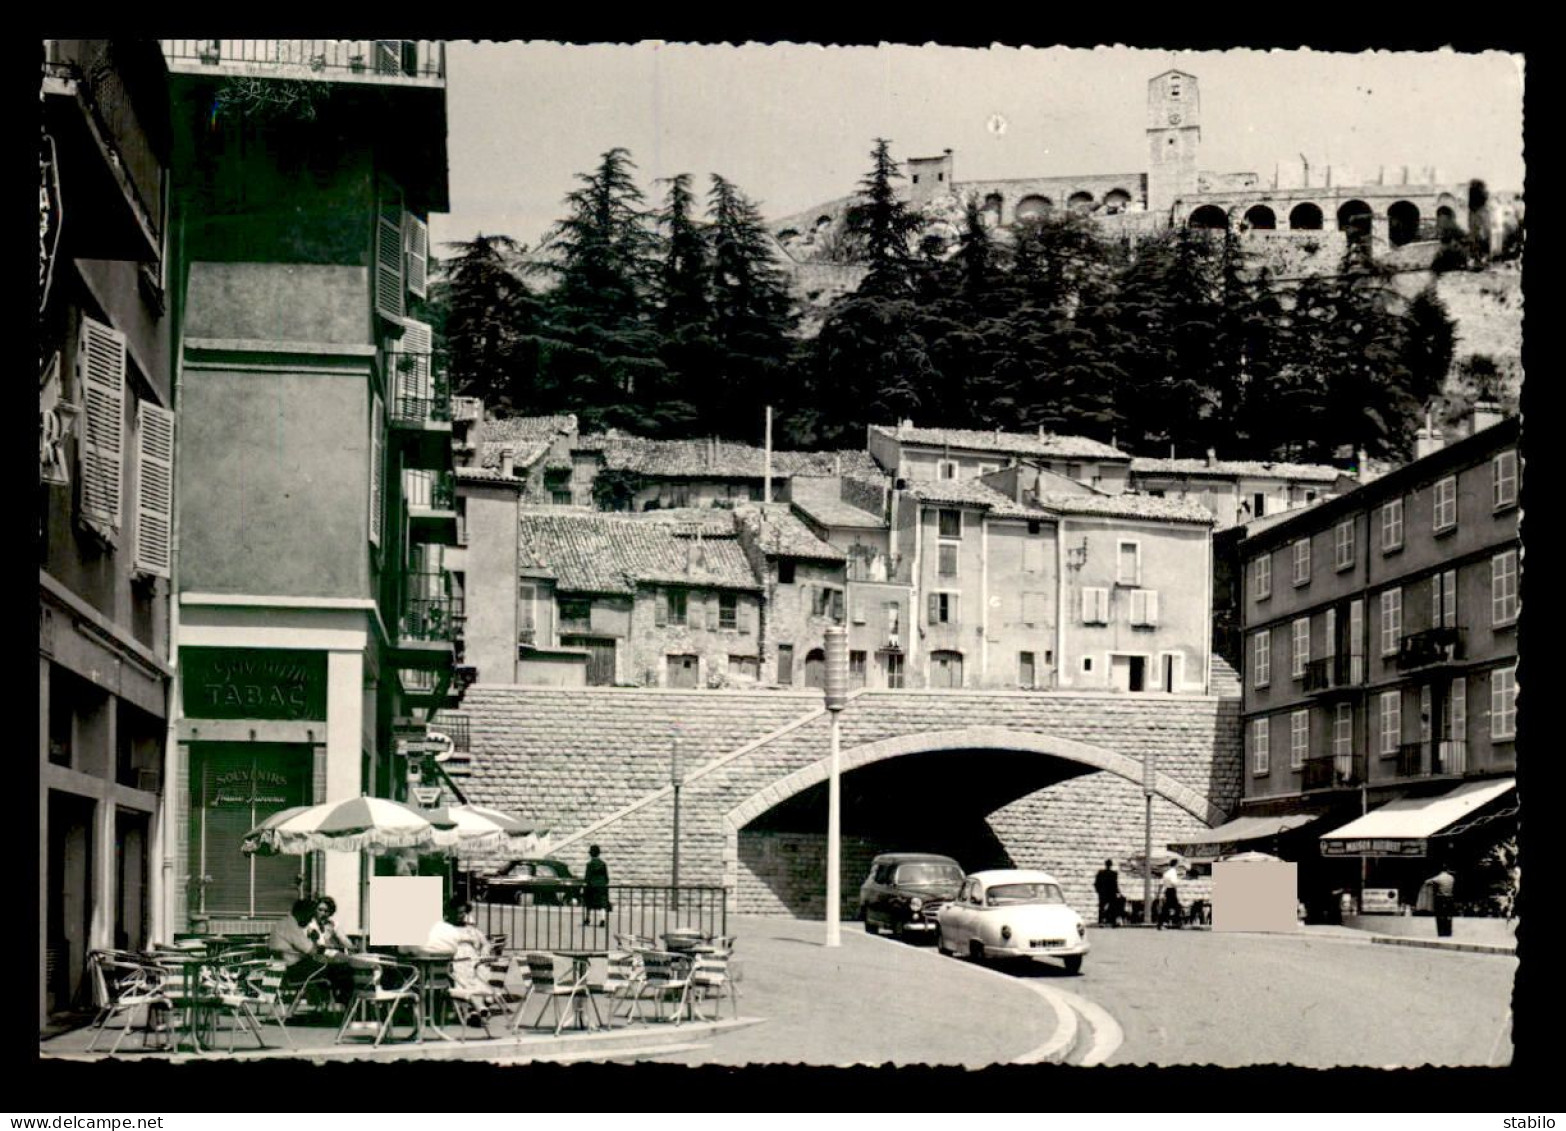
x=351 y=825
x=479 y=828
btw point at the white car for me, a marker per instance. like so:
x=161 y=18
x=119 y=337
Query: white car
x=1012 y=913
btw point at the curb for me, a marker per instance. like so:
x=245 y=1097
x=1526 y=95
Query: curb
x=1441 y=944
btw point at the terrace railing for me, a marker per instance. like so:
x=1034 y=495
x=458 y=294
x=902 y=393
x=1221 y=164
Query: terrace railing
x=647 y=910
x=327 y=58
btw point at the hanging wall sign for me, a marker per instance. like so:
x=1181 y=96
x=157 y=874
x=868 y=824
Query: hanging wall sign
x=56 y=417
x=253 y=683
x=50 y=215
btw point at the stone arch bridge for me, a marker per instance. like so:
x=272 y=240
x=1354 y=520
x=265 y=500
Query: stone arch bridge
x=1035 y=779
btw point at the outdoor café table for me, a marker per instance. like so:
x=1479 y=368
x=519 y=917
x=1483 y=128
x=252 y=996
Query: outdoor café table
x=683 y=940
x=191 y=964
x=424 y=961
x=581 y=961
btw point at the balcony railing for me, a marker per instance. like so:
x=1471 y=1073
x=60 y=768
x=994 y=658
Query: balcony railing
x=1411 y=760
x=1432 y=646
x=436 y=490
x=1333 y=771
x=1332 y=672
x=419 y=396
x=454 y=727
x=1446 y=756
x=325 y=58
x=1451 y=756
x=429 y=613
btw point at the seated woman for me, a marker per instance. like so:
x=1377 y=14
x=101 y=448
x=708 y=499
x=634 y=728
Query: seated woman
x=324 y=931
x=303 y=954
x=456 y=935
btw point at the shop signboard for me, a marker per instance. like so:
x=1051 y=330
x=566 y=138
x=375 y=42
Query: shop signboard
x=1379 y=901
x=1374 y=846
x=253 y=683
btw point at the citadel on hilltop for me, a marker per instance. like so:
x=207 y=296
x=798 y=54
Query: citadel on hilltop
x=1298 y=218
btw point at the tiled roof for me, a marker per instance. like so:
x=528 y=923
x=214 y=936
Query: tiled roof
x=1128 y=505
x=527 y=437
x=487 y=475
x=717 y=459
x=778 y=531
x=1307 y=472
x=970 y=492
x=836 y=512
x=588 y=552
x=1011 y=443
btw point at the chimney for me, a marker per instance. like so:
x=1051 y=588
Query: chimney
x=1486 y=413
x=507 y=462
x=695 y=554
x=1041 y=431
x=1428 y=439
x=1212 y=456
x=1360 y=460
x=837 y=464
x=905 y=425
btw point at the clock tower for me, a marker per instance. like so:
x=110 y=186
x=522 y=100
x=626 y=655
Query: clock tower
x=1174 y=129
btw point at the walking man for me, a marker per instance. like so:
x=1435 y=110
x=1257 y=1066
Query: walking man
x=1169 y=912
x=1107 y=884
x=1442 y=885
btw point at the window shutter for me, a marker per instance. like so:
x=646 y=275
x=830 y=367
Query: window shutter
x=660 y=608
x=377 y=470
x=416 y=245
x=952 y=606
x=858 y=610
x=100 y=362
x=388 y=56
x=712 y=611
x=1150 y=610
x=1457 y=710
x=388 y=264
x=1088 y=605
x=154 y=488
x=1138 y=606
x=417 y=342
x=934 y=602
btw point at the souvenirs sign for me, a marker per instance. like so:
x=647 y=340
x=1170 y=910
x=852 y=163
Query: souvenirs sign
x=253 y=683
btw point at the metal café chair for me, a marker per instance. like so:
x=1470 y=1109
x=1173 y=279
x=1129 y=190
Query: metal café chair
x=710 y=981
x=122 y=985
x=264 y=986
x=663 y=975
x=381 y=986
x=559 y=982
x=622 y=982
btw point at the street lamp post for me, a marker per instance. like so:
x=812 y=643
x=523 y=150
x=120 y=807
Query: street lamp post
x=1147 y=836
x=836 y=643
x=675 y=779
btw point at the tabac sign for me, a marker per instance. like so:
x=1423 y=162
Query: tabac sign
x=253 y=683
x=1374 y=846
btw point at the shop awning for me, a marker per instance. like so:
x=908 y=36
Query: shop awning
x=1227 y=837
x=1404 y=827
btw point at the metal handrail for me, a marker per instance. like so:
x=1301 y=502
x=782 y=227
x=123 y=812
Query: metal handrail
x=646 y=910
x=410 y=58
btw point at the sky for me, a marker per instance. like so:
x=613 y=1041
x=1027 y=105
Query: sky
x=792 y=125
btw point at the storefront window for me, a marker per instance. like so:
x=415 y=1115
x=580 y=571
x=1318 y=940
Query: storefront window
x=233 y=789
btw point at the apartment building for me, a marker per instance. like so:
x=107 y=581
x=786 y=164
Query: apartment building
x=1379 y=643
x=104 y=502
x=1237 y=491
x=916 y=455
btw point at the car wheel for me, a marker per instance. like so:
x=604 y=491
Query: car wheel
x=940 y=941
x=976 y=950
x=870 y=927
x=1073 y=963
x=519 y=897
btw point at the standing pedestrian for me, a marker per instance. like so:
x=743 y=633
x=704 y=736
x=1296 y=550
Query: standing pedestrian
x=1169 y=912
x=1107 y=884
x=1442 y=885
x=595 y=888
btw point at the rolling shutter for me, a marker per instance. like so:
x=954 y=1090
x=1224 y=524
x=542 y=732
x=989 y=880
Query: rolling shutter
x=416 y=250
x=377 y=470
x=100 y=367
x=388 y=264
x=154 y=488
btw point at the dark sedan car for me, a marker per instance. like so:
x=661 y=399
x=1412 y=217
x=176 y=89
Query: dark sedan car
x=905 y=890
x=545 y=881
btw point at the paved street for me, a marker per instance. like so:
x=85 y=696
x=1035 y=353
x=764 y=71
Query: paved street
x=1195 y=997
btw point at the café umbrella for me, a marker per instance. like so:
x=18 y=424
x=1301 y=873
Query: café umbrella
x=477 y=827
x=350 y=825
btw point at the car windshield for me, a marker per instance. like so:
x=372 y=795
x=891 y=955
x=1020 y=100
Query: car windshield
x=929 y=874
x=1002 y=894
x=517 y=868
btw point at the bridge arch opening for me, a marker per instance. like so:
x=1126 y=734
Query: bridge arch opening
x=1032 y=207
x=1355 y=219
x=1080 y=202
x=991 y=209
x=1258 y=217
x=1305 y=217
x=1402 y=223
x=1209 y=217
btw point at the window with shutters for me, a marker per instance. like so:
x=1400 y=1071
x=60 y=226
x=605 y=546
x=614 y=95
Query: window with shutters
x=1343 y=730
x=1391 y=722
x=1027 y=674
x=785 y=664
x=1261 y=738
x=949 y=523
x=1391 y=621
x=744 y=667
x=1503 y=589
x=1128 y=563
x=154 y=488
x=1302 y=562
x=1503 y=470
x=1144 y=608
x=1445 y=513
x=1035 y=608
x=1299 y=738
x=943 y=607
x=1095 y=605
x=377 y=469
x=389 y=282
x=892 y=662
x=1261 y=658
x=856 y=669
x=1454 y=740
x=675 y=605
x=1426 y=705
x=1392 y=526
x=576 y=614
x=100 y=373
x=416 y=253
x=1343 y=545
x=1503 y=703
x=1356 y=640
x=1299 y=632
x=413 y=384
x=1261 y=577
x=728 y=610
x=1443 y=599
x=947 y=469
x=946 y=562
x=526 y=615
